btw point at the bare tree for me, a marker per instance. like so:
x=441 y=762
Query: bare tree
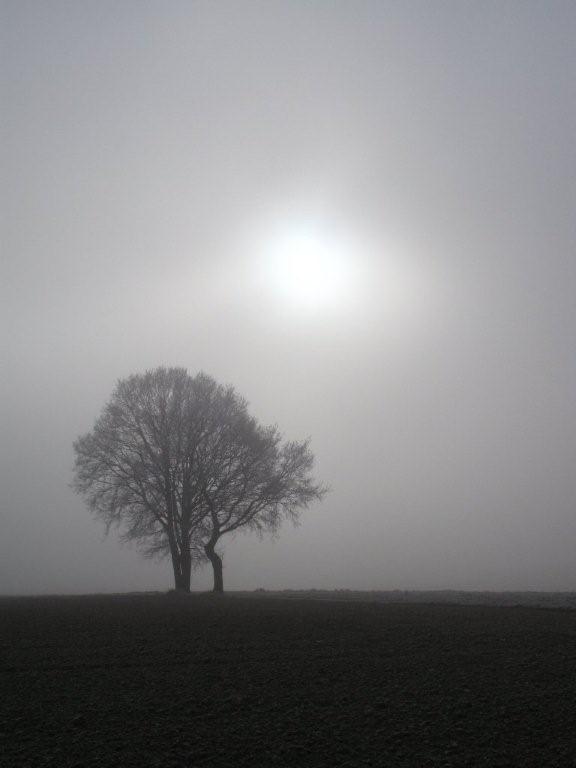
x=249 y=478
x=135 y=467
x=176 y=462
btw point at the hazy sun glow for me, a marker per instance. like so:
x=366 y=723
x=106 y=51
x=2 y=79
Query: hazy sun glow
x=309 y=268
x=322 y=268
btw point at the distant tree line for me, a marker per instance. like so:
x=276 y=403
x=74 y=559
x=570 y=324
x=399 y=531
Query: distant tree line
x=176 y=462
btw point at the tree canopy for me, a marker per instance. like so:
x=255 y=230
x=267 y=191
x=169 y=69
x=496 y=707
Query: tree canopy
x=175 y=462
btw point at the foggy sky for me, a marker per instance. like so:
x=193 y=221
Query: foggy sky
x=146 y=146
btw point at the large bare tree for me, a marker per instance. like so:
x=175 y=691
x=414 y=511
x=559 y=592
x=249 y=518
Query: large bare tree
x=176 y=462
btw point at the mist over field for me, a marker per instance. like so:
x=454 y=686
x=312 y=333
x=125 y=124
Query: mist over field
x=161 y=165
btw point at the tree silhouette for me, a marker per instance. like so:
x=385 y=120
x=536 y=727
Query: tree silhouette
x=249 y=478
x=176 y=462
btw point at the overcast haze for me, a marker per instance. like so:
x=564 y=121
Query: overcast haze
x=159 y=156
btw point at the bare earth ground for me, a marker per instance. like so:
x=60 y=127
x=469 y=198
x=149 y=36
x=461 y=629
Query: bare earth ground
x=161 y=680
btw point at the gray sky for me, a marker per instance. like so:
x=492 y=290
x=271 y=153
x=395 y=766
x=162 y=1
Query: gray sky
x=159 y=161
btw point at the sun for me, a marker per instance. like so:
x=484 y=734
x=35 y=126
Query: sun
x=310 y=269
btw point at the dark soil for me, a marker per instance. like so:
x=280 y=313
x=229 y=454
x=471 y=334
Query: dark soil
x=160 y=680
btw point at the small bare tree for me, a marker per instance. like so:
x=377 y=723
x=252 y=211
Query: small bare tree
x=249 y=478
x=176 y=462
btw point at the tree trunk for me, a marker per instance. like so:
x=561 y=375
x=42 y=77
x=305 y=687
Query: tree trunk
x=216 y=561
x=185 y=571
x=182 y=565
